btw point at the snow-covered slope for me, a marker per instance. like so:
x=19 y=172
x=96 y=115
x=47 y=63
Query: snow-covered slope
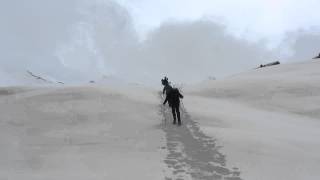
x=79 y=133
x=267 y=120
x=259 y=125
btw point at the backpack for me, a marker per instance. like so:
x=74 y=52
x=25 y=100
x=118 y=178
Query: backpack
x=174 y=96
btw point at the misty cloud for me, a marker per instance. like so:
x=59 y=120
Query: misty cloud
x=192 y=51
x=30 y=31
x=303 y=44
x=78 y=41
x=185 y=51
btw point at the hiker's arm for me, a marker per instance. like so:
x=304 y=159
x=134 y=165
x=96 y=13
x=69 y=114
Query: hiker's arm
x=163 y=90
x=165 y=101
x=180 y=95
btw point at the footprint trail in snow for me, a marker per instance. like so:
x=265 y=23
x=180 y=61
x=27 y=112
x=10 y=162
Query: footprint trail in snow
x=190 y=153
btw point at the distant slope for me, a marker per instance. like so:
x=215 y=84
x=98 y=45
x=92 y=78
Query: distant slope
x=267 y=120
x=292 y=88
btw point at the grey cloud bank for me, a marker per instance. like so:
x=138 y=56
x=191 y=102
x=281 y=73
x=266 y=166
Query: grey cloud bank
x=78 y=41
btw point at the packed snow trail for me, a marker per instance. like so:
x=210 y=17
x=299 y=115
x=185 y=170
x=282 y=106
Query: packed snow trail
x=190 y=153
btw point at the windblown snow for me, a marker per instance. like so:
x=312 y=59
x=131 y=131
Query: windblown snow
x=259 y=125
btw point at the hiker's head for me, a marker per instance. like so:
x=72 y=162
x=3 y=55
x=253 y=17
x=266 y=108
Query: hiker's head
x=165 y=81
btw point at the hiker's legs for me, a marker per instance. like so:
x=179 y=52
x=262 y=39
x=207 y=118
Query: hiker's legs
x=174 y=114
x=178 y=114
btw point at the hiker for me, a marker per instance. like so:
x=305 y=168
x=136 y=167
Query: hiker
x=173 y=98
x=166 y=85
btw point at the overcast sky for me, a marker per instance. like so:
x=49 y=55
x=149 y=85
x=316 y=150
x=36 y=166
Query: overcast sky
x=142 y=40
x=264 y=18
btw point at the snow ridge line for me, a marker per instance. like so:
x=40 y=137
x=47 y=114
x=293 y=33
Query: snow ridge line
x=190 y=153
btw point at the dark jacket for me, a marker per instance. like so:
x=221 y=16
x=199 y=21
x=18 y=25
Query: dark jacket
x=173 y=97
x=166 y=89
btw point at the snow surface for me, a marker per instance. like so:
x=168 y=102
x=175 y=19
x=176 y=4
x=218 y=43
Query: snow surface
x=79 y=133
x=267 y=120
x=259 y=125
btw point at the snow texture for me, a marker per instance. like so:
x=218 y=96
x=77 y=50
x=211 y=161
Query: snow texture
x=259 y=125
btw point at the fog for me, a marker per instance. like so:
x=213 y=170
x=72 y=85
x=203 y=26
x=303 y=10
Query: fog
x=304 y=44
x=77 y=41
x=30 y=33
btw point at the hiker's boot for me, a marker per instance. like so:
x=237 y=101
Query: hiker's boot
x=174 y=121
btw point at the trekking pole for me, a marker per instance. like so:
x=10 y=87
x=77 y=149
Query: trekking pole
x=182 y=106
